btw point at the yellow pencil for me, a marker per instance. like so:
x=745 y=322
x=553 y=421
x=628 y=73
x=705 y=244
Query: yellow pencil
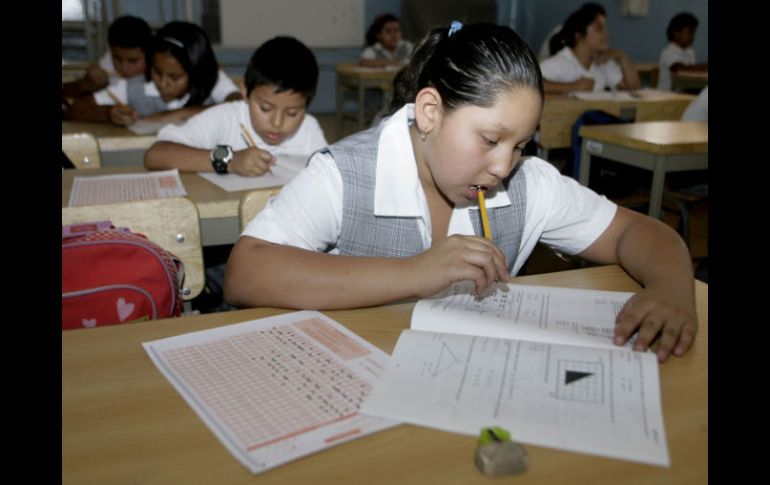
x=484 y=219
x=115 y=97
x=250 y=141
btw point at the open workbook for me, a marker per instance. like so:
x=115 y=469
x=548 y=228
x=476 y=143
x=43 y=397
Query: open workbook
x=538 y=361
x=286 y=167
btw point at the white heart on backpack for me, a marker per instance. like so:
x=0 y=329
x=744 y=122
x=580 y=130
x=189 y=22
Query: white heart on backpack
x=124 y=309
x=88 y=322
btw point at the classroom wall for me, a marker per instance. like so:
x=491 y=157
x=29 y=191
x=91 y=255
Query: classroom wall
x=641 y=37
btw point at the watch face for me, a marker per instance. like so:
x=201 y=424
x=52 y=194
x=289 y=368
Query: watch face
x=220 y=153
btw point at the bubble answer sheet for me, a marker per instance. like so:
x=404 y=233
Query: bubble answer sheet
x=275 y=389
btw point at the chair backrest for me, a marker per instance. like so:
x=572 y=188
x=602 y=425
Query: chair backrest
x=82 y=149
x=253 y=202
x=171 y=223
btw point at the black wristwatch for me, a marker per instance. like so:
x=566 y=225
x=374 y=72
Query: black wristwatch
x=220 y=158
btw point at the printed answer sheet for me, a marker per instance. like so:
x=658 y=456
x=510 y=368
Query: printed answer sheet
x=285 y=169
x=275 y=389
x=111 y=189
x=524 y=312
x=589 y=400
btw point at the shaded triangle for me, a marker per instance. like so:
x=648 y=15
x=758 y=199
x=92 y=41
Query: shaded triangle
x=573 y=375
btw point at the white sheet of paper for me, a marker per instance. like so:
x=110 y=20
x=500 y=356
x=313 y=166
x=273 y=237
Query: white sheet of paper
x=275 y=389
x=144 y=127
x=604 y=95
x=285 y=169
x=588 y=400
x=111 y=189
x=524 y=312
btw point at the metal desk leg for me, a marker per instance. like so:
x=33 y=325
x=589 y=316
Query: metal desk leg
x=656 y=192
x=585 y=164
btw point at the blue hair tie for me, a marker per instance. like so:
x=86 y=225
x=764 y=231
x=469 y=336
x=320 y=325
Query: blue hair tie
x=454 y=27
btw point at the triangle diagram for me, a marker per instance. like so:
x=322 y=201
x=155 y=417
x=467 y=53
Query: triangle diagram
x=573 y=375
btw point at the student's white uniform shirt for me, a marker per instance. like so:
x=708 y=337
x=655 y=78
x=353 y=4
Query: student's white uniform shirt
x=563 y=67
x=118 y=86
x=698 y=109
x=377 y=51
x=672 y=54
x=221 y=125
x=308 y=211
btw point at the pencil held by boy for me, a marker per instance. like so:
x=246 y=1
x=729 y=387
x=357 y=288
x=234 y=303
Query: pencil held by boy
x=392 y=213
x=243 y=137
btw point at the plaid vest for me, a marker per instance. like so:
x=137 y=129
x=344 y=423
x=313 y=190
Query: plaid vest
x=365 y=234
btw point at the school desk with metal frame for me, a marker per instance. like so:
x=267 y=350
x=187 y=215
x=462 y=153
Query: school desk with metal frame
x=217 y=207
x=111 y=137
x=561 y=111
x=658 y=146
x=351 y=76
x=122 y=422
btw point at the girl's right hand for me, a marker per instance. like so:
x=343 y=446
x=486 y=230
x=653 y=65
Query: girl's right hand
x=124 y=115
x=459 y=258
x=251 y=162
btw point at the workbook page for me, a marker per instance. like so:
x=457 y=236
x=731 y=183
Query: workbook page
x=112 y=189
x=582 y=399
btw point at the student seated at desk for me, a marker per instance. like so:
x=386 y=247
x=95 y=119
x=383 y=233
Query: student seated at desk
x=583 y=60
x=678 y=55
x=129 y=39
x=182 y=79
x=384 y=45
x=277 y=94
x=390 y=213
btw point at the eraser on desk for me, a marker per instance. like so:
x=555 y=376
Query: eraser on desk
x=497 y=455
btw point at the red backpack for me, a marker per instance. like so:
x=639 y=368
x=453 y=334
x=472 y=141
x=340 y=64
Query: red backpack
x=112 y=275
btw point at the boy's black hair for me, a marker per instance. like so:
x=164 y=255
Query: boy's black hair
x=129 y=32
x=285 y=63
x=377 y=24
x=577 y=22
x=189 y=45
x=679 y=22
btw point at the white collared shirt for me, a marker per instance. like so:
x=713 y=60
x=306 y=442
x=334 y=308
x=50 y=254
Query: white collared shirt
x=564 y=67
x=119 y=87
x=308 y=211
x=672 y=54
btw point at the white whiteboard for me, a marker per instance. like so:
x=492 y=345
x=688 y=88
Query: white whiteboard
x=325 y=23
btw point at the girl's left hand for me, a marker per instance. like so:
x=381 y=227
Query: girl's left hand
x=651 y=314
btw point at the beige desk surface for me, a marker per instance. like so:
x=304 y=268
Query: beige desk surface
x=213 y=202
x=560 y=112
x=122 y=422
x=658 y=137
x=111 y=137
x=352 y=69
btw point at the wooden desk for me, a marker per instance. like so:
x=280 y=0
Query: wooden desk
x=689 y=80
x=218 y=208
x=560 y=113
x=648 y=73
x=111 y=137
x=73 y=70
x=122 y=422
x=354 y=77
x=660 y=146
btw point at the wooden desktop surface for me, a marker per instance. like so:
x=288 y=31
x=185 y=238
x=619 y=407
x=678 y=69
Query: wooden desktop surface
x=560 y=112
x=122 y=422
x=111 y=137
x=658 y=137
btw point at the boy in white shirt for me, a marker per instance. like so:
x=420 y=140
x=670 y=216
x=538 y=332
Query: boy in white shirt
x=678 y=54
x=280 y=82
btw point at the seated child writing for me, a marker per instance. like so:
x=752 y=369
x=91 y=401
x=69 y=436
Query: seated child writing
x=277 y=94
x=582 y=59
x=384 y=45
x=678 y=55
x=182 y=79
x=390 y=213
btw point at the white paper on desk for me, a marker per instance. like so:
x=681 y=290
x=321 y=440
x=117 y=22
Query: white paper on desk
x=286 y=168
x=524 y=312
x=144 y=127
x=604 y=95
x=583 y=399
x=275 y=389
x=111 y=189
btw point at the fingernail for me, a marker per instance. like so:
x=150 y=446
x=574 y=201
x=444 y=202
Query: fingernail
x=618 y=340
